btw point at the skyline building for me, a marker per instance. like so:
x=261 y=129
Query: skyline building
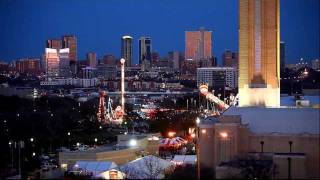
x=109 y=60
x=230 y=59
x=218 y=77
x=64 y=62
x=145 y=48
x=174 y=57
x=51 y=62
x=92 y=59
x=198 y=44
x=126 y=50
x=28 y=65
x=57 y=62
x=54 y=43
x=70 y=41
x=259 y=53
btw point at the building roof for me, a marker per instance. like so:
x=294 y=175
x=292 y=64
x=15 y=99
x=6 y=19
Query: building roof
x=278 y=120
x=95 y=167
x=148 y=167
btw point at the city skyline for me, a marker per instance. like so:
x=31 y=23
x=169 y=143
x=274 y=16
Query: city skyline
x=100 y=32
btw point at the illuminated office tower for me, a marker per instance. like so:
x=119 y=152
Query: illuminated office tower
x=144 y=50
x=71 y=43
x=198 y=44
x=126 y=50
x=259 y=53
x=51 y=62
x=92 y=59
x=57 y=63
x=54 y=44
x=64 y=60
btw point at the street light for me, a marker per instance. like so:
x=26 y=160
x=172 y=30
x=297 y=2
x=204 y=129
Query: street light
x=198 y=148
x=95 y=140
x=31 y=139
x=69 y=133
x=224 y=134
x=133 y=142
x=198 y=121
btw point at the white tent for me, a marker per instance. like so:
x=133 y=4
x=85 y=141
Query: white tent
x=148 y=167
x=94 y=168
x=184 y=159
x=111 y=174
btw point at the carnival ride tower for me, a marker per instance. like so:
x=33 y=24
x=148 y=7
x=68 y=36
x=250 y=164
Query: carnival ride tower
x=102 y=112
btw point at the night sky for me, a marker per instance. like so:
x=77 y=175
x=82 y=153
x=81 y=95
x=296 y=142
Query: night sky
x=99 y=25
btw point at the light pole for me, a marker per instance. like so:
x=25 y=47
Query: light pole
x=69 y=139
x=198 y=148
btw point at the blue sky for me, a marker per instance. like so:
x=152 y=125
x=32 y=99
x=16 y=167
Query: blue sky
x=99 y=25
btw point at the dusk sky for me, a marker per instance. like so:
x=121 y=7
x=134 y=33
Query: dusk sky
x=99 y=25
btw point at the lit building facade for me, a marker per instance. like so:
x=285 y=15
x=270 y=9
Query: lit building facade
x=57 y=63
x=259 y=53
x=51 y=62
x=230 y=59
x=198 y=44
x=218 y=76
x=30 y=66
x=92 y=59
x=145 y=51
x=174 y=57
x=126 y=50
x=71 y=43
x=272 y=134
x=54 y=43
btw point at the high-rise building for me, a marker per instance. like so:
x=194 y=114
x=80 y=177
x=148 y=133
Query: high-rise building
x=126 y=50
x=155 y=57
x=109 y=60
x=174 y=57
x=282 y=55
x=198 y=44
x=70 y=42
x=259 y=53
x=230 y=59
x=52 y=62
x=28 y=65
x=144 y=49
x=57 y=62
x=54 y=44
x=64 y=63
x=218 y=77
x=92 y=59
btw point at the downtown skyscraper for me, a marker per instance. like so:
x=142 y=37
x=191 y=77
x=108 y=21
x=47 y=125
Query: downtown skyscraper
x=259 y=53
x=126 y=50
x=198 y=44
x=144 y=49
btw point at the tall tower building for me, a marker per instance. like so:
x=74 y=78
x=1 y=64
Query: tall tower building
x=174 y=57
x=92 y=59
x=198 y=44
x=54 y=43
x=57 y=62
x=230 y=59
x=144 y=49
x=126 y=50
x=51 y=62
x=70 y=42
x=259 y=53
